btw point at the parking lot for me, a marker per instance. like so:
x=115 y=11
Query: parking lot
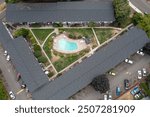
x=122 y=71
x=10 y=78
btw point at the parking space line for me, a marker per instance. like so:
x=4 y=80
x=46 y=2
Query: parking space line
x=20 y=91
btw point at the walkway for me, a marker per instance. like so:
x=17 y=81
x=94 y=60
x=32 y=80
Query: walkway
x=43 y=51
x=96 y=37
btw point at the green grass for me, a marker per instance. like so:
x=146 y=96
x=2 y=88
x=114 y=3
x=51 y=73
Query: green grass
x=66 y=60
x=3 y=92
x=49 y=45
x=103 y=34
x=41 y=34
x=86 y=32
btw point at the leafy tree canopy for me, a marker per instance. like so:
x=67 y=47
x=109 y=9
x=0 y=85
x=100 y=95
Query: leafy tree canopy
x=122 y=12
x=101 y=83
x=142 y=21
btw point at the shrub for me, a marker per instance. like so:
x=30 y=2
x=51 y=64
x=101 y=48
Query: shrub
x=37 y=47
x=79 y=37
x=42 y=59
x=72 y=36
x=35 y=25
x=50 y=74
x=37 y=54
x=21 y=32
x=57 y=24
x=91 y=24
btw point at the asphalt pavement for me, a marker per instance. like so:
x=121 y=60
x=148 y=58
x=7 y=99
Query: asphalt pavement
x=9 y=74
x=143 y=5
x=123 y=71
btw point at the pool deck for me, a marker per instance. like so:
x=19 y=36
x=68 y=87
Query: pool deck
x=81 y=45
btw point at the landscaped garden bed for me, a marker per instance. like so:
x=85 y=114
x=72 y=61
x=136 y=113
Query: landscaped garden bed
x=103 y=34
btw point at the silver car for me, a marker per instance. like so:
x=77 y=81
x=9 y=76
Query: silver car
x=144 y=72
x=12 y=95
x=139 y=74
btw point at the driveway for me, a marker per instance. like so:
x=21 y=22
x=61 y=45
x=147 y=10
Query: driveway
x=123 y=71
x=10 y=78
x=143 y=5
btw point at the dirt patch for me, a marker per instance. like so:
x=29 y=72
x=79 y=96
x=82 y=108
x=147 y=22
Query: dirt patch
x=126 y=96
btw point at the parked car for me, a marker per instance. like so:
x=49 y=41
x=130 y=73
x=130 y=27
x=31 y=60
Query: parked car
x=11 y=94
x=112 y=73
x=139 y=95
x=109 y=97
x=46 y=72
x=23 y=86
x=140 y=52
x=126 y=84
x=5 y=53
x=139 y=74
x=129 y=61
x=144 y=72
x=8 y=58
x=118 y=91
x=135 y=90
x=105 y=97
x=136 y=96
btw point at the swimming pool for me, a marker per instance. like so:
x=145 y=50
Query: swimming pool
x=66 y=45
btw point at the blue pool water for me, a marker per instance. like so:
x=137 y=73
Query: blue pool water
x=67 y=45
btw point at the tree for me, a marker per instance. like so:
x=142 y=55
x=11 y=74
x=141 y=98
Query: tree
x=122 y=12
x=143 y=22
x=137 y=18
x=101 y=83
x=22 y=32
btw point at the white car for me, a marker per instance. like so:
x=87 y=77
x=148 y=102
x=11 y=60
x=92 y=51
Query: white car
x=105 y=97
x=129 y=61
x=46 y=72
x=5 y=53
x=112 y=73
x=144 y=71
x=136 y=96
x=8 y=58
x=11 y=94
x=140 y=53
x=139 y=74
x=109 y=97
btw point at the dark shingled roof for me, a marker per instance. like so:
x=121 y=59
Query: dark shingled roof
x=23 y=60
x=78 y=77
x=103 y=60
x=61 y=11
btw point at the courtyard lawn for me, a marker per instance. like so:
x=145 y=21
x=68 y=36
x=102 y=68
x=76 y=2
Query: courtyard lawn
x=78 y=32
x=41 y=34
x=3 y=92
x=103 y=34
